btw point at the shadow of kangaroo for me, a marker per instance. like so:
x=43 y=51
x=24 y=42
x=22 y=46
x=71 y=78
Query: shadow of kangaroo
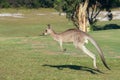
x=74 y=67
x=79 y=38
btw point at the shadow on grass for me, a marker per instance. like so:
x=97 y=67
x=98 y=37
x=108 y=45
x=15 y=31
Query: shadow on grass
x=106 y=27
x=75 y=67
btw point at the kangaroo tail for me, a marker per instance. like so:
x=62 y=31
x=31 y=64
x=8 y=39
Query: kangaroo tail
x=99 y=50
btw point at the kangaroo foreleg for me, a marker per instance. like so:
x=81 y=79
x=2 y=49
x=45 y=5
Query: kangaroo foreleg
x=61 y=46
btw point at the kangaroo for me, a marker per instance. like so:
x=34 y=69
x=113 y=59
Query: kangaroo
x=78 y=38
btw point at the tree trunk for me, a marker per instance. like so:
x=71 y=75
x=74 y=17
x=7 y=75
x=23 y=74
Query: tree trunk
x=81 y=15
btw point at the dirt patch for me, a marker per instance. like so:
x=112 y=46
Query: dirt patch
x=16 y=15
x=101 y=16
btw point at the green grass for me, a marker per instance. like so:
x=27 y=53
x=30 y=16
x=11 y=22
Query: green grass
x=24 y=55
x=32 y=24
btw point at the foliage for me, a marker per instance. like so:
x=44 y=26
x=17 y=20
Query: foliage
x=70 y=7
x=4 y=3
x=52 y=3
x=26 y=3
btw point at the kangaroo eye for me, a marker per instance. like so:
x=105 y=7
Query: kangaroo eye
x=45 y=30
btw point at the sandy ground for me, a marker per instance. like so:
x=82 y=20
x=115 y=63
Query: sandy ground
x=116 y=16
x=100 y=17
x=16 y=15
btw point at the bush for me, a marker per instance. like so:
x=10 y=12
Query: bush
x=106 y=27
x=27 y=3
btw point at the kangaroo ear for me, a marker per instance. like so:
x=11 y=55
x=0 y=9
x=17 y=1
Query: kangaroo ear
x=49 y=26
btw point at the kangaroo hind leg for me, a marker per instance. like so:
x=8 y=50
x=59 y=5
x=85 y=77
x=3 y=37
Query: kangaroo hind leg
x=89 y=53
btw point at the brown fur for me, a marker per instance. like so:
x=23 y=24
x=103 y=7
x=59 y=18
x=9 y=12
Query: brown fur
x=79 y=38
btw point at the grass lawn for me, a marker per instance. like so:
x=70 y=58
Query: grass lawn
x=24 y=55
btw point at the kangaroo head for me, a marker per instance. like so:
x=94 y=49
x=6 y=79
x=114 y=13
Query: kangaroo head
x=48 y=30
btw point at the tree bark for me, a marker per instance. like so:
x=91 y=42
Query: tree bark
x=82 y=17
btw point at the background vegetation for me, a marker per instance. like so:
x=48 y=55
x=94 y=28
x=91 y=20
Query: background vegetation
x=49 y=3
x=68 y=6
